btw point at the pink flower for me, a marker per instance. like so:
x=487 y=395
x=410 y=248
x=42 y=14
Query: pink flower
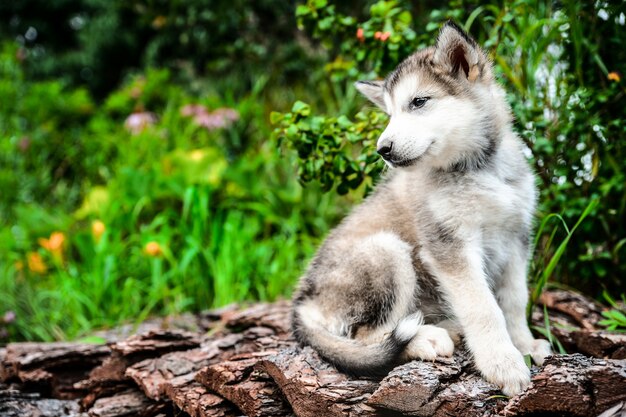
x=9 y=317
x=137 y=122
x=384 y=36
x=217 y=119
x=192 y=110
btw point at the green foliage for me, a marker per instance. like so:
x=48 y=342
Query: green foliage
x=542 y=268
x=150 y=203
x=336 y=151
x=96 y=42
x=614 y=318
x=560 y=63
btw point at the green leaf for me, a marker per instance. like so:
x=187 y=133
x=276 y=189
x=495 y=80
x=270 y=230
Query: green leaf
x=528 y=360
x=276 y=117
x=302 y=10
x=301 y=108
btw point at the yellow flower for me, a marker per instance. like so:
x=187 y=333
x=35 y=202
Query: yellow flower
x=614 y=76
x=36 y=263
x=153 y=249
x=54 y=245
x=97 y=229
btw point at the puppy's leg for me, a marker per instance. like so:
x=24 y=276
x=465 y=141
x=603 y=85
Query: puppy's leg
x=384 y=287
x=458 y=267
x=512 y=295
x=362 y=289
x=390 y=261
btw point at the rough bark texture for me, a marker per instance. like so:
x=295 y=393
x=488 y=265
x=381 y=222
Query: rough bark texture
x=14 y=403
x=572 y=385
x=315 y=388
x=235 y=361
x=441 y=388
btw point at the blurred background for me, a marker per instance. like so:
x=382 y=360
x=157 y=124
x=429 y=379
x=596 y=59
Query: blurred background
x=166 y=156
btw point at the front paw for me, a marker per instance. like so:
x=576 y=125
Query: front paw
x=539 y=349
x=429 y=342
x=504 y=366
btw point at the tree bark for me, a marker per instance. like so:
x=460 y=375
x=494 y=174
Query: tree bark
x=234 y=361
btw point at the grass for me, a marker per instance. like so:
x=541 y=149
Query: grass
x=181 y=223
x=546 y=261
x=205 y=259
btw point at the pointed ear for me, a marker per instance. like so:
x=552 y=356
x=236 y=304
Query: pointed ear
x=373 y=90
x=458 y=53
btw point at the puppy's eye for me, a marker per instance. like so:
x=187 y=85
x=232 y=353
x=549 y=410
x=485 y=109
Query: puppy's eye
x=418 y=102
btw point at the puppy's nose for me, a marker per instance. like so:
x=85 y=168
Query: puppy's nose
x=385 y=150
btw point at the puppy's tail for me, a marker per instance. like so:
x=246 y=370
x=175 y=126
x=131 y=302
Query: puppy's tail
x=349 y=355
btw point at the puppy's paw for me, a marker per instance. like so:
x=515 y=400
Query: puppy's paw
x=430 y=342
x=540 y=348
x=504 y=366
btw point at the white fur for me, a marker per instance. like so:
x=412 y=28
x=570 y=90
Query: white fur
x=409 y=326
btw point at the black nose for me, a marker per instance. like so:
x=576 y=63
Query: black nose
x=385 y=150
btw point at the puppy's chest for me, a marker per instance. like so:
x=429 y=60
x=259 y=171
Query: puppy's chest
x=486 y=205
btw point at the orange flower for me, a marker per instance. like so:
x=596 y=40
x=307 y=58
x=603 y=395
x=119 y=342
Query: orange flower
x=384 y=36
x=54 y=245
x=97 y=229
x=153 y=249
x=360 y=35
x=377 y=35
x=36 y=263
x=614 y=76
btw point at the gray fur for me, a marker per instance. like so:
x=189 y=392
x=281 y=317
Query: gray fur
x=444 y=236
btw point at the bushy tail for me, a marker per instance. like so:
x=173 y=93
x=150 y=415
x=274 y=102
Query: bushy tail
x=349 y=355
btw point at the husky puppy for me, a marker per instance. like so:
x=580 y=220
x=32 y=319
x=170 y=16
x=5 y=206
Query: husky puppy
x=440 y=250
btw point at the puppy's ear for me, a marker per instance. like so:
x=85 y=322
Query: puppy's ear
x=458 y=53
x=373 y=91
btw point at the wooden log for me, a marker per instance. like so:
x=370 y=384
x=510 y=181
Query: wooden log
x=275 y=316
x=129 y=403
x=152 y=375
x=446 y=387
x=248 y=361
x=584 y=311
x=110 y=377
x=14 y=403
x=51 y=368
x=194 y=399
x=156 y=343
x=601 y=344
x=251 y=390
x=572 y=385
x=315 y=388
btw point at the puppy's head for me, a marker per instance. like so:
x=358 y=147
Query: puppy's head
x=443 y=103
